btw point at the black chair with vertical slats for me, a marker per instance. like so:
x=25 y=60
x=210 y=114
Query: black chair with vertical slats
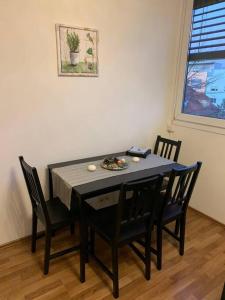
x=173 y=206
x=53 y=214
x=167 y=148
x=125 y=222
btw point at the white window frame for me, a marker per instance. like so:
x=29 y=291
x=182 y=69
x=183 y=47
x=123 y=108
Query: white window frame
x=179 y=118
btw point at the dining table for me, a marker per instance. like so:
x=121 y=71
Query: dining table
x=73 y=183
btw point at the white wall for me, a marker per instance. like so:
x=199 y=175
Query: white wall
x=48 y=118
x=199 y=142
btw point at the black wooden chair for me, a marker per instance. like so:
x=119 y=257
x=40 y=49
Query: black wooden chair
x=167 y=148
x=125 y=222
x=173 y=206
x=53 y=214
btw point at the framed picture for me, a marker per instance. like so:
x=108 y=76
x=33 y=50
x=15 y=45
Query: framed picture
x=77 y=51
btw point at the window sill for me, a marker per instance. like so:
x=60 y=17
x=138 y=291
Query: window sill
x=200 y=123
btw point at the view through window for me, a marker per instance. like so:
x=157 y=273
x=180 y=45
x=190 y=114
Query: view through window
x=204 y=93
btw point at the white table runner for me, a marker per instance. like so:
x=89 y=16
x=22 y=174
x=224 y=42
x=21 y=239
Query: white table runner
x=65 y=178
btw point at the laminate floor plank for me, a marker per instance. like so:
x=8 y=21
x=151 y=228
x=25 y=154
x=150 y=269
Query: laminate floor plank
x=198 y=275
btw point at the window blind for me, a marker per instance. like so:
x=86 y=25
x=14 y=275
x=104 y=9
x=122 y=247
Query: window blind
x=208 y=30
x=203 y=3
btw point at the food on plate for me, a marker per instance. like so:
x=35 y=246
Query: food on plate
x=114 y=163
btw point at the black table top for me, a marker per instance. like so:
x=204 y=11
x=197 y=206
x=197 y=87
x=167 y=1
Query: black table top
x=106 y=185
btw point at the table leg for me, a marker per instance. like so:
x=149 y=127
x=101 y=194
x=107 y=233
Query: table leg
x=83 y=240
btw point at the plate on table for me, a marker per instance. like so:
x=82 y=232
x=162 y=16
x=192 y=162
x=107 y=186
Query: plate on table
x=114 y=164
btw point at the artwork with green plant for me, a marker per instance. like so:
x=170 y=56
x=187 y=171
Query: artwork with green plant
x=77 y=51
x=73 y=41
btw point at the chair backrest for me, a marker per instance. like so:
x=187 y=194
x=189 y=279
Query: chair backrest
x=35 y=191
x=180 y=186
x=137 y=203
x=167 y=148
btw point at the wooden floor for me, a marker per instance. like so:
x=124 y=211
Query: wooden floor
x=199 y=274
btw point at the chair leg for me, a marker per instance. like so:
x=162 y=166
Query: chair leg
x=182 y=235
x=72 y=228
x=92 y=241
x=159 y=247
x=34 y=233
x=148 y=256
x=47 y=251
x=115 y=272
x=177 y=227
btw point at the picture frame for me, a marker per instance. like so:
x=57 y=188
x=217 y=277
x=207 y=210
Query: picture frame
x=77 y=51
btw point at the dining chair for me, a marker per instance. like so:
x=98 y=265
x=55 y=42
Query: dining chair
x=167 y=148
x=173 y=206
x=53 y=214
x=125 y=222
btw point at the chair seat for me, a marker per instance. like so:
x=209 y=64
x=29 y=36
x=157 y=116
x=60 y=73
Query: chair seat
x=171 y=212
x=104 y=219
x=59 y=214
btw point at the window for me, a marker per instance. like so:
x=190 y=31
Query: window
x=204 y=91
